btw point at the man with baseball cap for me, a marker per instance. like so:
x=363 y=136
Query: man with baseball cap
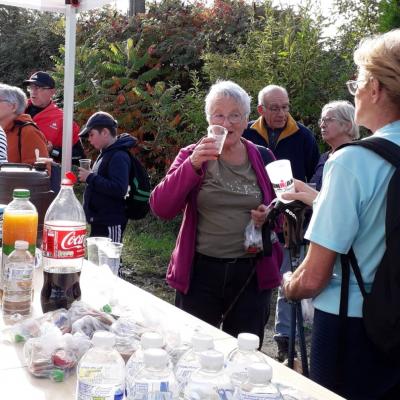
x=107 y=182
x=48 y=116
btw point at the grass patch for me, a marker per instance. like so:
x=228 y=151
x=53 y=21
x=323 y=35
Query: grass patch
x=148 y=245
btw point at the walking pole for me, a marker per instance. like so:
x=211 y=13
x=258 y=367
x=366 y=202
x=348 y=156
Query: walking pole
x=293 y=239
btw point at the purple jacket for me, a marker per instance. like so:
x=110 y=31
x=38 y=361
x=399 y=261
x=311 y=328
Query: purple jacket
x=178 y=191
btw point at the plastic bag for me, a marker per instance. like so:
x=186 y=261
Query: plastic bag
x=253 y=242
x=54 y=355
x=80 y=309
x=88 y=325
x=127 y=340
x=307 y=309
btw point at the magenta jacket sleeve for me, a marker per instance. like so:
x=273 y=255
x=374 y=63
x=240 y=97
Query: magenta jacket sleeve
x=170 y=196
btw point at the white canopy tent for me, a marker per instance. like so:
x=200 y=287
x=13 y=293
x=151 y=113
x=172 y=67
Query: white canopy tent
x=69 y=67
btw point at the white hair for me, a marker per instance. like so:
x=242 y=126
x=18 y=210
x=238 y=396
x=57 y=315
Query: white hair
x=14 y=95
x=228 y=89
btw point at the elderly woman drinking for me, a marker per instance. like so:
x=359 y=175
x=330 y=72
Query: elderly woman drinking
x=214 y=277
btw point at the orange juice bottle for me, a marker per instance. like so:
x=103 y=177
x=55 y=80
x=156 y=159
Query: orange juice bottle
x=20 y=222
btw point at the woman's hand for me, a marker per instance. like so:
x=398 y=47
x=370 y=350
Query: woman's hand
x=206 y=150
x=259 y=215
x=304 y=193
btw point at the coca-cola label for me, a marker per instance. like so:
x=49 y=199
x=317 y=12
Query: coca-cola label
x=63 y=243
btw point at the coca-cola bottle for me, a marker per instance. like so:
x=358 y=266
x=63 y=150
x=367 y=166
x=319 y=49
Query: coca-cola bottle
x=63 y=248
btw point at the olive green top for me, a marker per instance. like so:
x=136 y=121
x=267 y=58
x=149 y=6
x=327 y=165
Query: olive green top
x=226 y=197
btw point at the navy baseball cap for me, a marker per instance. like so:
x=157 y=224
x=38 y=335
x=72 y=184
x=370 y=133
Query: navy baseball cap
x=42 y=79
x=100 y=118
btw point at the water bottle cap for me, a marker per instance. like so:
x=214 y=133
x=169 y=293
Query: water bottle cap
x=151 y=340
x=21 y=245
x=21 y=193
x=70 y=179
x=259 y=373
x=155 y=358
x=202 y=342
x=103 y=339
x=248 y=341
x=212 y=359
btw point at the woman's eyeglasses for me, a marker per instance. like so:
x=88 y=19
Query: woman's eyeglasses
x=352 y=86
x=233 y=118
x=326 y=120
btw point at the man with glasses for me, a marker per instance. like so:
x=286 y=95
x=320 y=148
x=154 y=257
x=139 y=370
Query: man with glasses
x=48 y=116
x=288 y=139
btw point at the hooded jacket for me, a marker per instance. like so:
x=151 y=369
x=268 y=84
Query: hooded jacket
x=23 y=150
x=178 y=192
x=295 y=143
x=107 y=185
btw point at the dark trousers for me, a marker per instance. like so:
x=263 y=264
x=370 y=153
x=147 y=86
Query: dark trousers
x=214 y=287
x=363 y=373
x=114 y=232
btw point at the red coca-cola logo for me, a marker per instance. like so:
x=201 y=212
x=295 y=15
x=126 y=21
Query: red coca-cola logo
x=63 y=244
x=72 y=241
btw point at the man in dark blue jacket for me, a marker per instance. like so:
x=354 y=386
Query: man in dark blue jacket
x=107 y=183
x=288 y=139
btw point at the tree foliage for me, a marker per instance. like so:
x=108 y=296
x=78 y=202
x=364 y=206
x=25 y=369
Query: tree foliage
x=28 y=40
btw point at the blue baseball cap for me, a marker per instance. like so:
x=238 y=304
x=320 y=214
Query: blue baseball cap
x=42 y=79
x=100 y=118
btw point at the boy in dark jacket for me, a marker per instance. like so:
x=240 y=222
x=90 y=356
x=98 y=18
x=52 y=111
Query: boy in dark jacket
x=107 y=182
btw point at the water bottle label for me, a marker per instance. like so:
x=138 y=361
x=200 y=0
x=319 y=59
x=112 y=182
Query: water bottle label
x=90 y=391
x=62 y=243
x=151 y=391
x=18 y=278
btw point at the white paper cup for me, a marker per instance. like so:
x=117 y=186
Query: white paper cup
x=85 y=163
x=110 y=255
x=281 y=177
x=92 y=248
x=219 y=133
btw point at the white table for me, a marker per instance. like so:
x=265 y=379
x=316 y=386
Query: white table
x=18 y=383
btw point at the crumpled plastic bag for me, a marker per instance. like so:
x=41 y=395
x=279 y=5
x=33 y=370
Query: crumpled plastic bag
x=127 y=336
x=80 y=309
x=253 y=242
x=54 y=355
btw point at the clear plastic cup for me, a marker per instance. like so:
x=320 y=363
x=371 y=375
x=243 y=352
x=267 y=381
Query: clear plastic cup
x=281 y=177
x=85 y=163
x=110 y=255
x=92 y=248
x=219 y=133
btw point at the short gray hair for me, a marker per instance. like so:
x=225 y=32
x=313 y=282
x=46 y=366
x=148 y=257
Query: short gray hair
x=14 y=95
x=228 y=89
x=344 y=112
x=264 y=91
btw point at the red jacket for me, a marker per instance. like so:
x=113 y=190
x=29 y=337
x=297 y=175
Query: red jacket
x=50 y=122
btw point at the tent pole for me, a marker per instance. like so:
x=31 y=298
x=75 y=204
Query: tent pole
x=69 y=85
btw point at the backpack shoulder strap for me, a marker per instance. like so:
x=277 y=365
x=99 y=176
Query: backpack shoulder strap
x=266 y=154
x=385 y=148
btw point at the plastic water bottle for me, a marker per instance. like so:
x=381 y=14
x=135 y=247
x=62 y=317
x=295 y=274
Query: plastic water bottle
x=101 y=371
x=244 y=355
x=258 y=385
x=63 y=248
x=18 y=277
x=155 y=381
x=190 y=360
x=149 y=340
x=210 y=381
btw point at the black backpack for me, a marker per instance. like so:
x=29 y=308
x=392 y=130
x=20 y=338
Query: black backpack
x=381 y=307
x=137 y=200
